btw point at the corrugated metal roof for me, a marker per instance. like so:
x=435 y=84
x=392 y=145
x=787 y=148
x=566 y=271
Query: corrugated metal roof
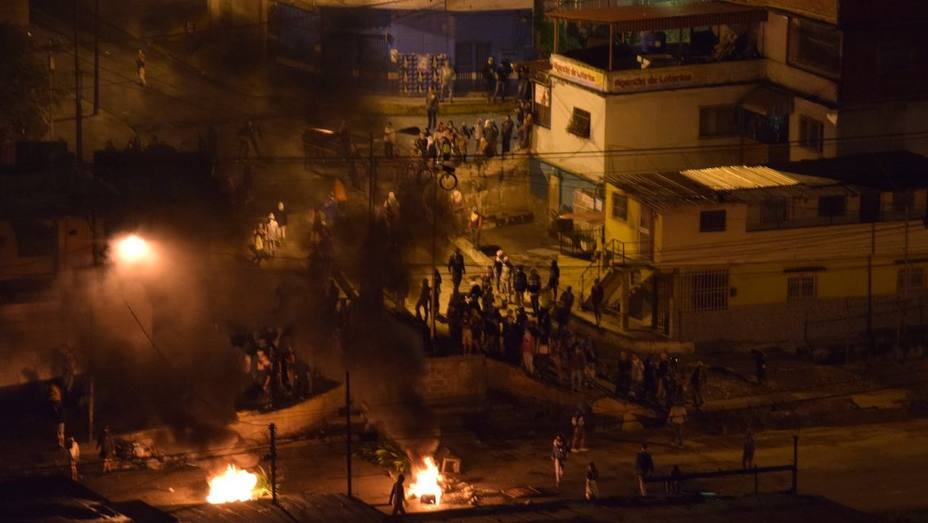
x=630 y=18
x=732 y=178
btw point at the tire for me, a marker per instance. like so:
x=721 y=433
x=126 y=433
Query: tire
x=448 y=181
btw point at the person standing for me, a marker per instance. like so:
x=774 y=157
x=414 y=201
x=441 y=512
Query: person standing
x=57 y=410
x=398 y=496
x=559 y=453
x=591 y=490
x=502 y=78
x=140 y=67
x=389 y=140
x=747 y=453
x=425 y=295
x=534 y=289
x=506 y=135
x=474 y=224
x=107 y=449
x=431 y=108
x=596 y=298
x=578 y=422
x=436 y=291
x=489 y=78
x=505 y=276
x=74 y=457
x=676 y=418
x=447 y=81
x=528 y=351
x=273 y=234
x=554 y=278
x=644 y=467
x=520 y=285
x=456 y=268
x=697 y=382
x=281 y=215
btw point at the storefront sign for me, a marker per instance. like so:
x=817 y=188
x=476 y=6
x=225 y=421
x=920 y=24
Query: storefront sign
x=578 y=72
x=645 y=81
x=661 y=78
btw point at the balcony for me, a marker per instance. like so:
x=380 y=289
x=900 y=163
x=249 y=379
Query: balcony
x=645 y=48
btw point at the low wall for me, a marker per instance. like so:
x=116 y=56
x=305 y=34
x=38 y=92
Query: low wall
x=253 y=425
x=454 y=378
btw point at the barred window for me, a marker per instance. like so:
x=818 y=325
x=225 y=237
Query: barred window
x=579 y=124
x=705 y=291
x=800 y=287
x=910 y=280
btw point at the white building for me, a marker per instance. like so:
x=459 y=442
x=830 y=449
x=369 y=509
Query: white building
x=723 y=83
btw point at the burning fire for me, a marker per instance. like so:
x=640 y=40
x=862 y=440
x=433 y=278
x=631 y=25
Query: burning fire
x=232 y=485
x=427 y=482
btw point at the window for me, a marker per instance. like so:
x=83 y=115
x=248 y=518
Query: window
x=811 y=133
x=542 y=105
x=718 y=121
x=707 y=291
x=903 y=201
x=800 y=287
x=815 y=46
x=579 y=123
x=711 y=221
x=619 y=206
x=35 y=238
x=910 y=279
x=773 y=212
x=832 y=206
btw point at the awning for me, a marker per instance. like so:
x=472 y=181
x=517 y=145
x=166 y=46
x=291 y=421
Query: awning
x=658 y=17
x=768 y=102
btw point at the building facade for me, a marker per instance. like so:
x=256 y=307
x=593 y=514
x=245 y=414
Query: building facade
x=806 y=253
x=657 y=88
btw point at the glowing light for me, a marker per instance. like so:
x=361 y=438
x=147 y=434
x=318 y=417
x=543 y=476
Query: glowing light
x=232 y=485
x=427 y=481
x=132 y=249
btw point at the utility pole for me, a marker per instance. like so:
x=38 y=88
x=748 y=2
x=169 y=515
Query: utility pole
x=96 y=57
x=435 y=297
x=348 y=431
x=51 y=89
x=273 y=455
x=794 y=488
x=90 y=408
x=78 y=116
x=870 y=287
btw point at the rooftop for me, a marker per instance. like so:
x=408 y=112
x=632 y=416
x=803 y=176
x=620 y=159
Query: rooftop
x=633 y=18
x=888 y=171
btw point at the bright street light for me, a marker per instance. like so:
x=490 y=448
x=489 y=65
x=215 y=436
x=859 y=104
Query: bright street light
x=132 y=249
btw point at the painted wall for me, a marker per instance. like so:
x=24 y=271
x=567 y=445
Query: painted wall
x=556 y=141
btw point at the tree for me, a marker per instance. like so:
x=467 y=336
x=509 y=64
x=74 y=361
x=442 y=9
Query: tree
x=25 y=95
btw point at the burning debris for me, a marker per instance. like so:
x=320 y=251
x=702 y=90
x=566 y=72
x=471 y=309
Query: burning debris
x=427 y=483
x=232 y=485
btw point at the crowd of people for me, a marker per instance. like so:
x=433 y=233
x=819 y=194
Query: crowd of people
x=269 y=235
x=278 y=377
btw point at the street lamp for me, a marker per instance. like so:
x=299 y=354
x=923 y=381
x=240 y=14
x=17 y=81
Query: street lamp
x=132 y=249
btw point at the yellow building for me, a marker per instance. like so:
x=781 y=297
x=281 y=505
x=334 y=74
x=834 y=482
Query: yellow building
x=806 y=252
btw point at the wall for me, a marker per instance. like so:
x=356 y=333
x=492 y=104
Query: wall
x=669 y=119
x=626 y=231
x=826 y=10
x=584 y=160
x=454 y=378
x=820 y=113
x=14 y=12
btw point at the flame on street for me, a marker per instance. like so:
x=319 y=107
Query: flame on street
x=232 y=485
x=426 y=481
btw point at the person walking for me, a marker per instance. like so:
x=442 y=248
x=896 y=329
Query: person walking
x=559 y=453
x=447 y=81
x=591 y=489
x=506 y=135
x=398 y=496
x=425 y=295
x=596 y=298
x=107 y=449
x=456 y=268
x=554 y=278
x=431 y=108
x=747 y=453
x=74 y=457
x=489 y=78
x=644 y=467
x=140 y=67
x=676 y=418
x=389 y=140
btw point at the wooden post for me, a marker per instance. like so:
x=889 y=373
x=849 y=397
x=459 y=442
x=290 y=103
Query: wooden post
x=348 y=431
x=273 y=430
x=611 y=44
